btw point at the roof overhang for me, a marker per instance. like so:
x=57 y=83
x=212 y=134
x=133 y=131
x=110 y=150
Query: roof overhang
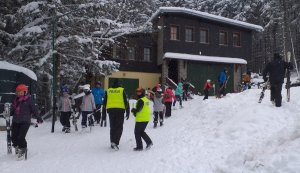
x=8 y=66
x=191 y=57
x=206 y=16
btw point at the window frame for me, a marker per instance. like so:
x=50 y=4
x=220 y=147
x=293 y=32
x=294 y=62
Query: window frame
x=192 y=34
x=177 y=33
x=207 y=35
x=225 y=39
x=239 y=39
x=129 y=55
x=149 y=55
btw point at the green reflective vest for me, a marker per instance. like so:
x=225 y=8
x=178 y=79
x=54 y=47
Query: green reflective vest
x=145 y=114
x=115 y=98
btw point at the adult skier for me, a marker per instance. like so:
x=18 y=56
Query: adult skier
x=222 y=79
x=142 y=115
x=98 y=94
x=115 y=103
x=23 y=108
x=276 y=71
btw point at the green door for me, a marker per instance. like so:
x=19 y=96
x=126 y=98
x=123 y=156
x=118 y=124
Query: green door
x=130 y=85
x=198 y=73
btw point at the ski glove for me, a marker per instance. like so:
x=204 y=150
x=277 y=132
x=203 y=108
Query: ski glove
x=133 y=110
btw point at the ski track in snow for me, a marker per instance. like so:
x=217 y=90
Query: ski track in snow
x=234 y=134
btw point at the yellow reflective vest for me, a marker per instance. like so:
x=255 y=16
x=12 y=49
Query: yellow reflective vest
x=115 y=98
x=145 y=113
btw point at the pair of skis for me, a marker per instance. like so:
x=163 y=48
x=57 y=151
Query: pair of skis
x=6 y=116
x=288 y=81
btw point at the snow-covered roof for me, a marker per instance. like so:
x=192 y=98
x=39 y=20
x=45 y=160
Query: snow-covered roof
x=191 y=57
x=206 y=16
x=8 y=66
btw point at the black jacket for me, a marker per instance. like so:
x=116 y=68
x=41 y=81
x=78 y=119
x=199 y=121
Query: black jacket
x=276 y=70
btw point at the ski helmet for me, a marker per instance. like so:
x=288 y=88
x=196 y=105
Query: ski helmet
x=22 y=87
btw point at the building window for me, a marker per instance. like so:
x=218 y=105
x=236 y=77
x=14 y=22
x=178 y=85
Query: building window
x=146 y=54
x=204 y=36
x=223 y=38
x=131 y=53
x=174 y=32
x=189 y=34
x=237 y=39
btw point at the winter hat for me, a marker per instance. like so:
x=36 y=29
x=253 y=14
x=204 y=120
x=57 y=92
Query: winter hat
x=64 y=89
x=208 y=80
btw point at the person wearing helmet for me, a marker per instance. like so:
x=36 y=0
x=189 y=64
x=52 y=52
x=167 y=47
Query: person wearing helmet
x=115 y=103
x=87 y=107
x=142 y=115
x=206 y=88
x=65 y=105
x=23 y=108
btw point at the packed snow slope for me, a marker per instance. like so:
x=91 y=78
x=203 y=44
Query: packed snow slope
x=234 y=134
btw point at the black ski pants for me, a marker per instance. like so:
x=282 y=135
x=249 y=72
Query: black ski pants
x=18 y=134
x=139 y=133
x=116 y=121
x=276 y=94
x=65 y=119
x=97 y=114
x=205 y=94
x=85 y=118
x=161 y=116
x=168 y=108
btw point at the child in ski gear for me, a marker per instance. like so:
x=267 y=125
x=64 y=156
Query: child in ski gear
x=65 y=105
x=98 y=94
x=168 y=97
x=115 y=103
x=158 y=108
x=178 y=93
x=87 y=107
x=222 y=79
x=142 y=117
x=23 y=108
x=276 y=70
x=206 y=88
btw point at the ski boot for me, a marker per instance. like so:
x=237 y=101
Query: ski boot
x=22 y=154
x=161 y=123
x=114 y=146
x=68 y=130
x=63 y=129
x=155 y=125
x=16 y=150
x=149 y=146
x=137 y=149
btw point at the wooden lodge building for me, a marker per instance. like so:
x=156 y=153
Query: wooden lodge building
x=184 y=44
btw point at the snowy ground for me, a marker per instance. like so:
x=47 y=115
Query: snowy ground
x=234 y=134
